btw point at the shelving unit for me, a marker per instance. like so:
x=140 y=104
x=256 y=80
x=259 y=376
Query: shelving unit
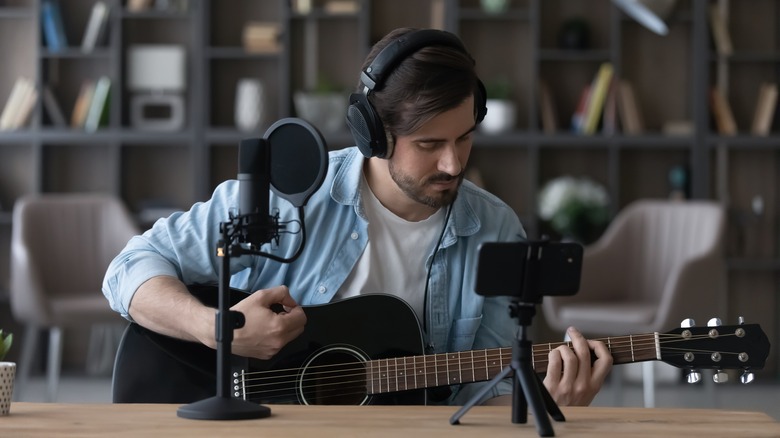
x=671 y=75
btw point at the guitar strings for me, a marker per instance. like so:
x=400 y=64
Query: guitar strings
x=386 y=383
x=503 y=353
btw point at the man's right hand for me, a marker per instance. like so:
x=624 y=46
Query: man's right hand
x=164 y=305
x=267 y=330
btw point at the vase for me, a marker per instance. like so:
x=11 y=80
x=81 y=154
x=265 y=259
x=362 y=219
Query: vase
x=249 y=104
x=500 y=117
x=7 y=375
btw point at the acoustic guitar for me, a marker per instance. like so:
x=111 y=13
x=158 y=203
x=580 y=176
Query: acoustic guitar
x=369 y=350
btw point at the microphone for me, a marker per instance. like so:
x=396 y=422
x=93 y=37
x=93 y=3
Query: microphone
x=254 y=182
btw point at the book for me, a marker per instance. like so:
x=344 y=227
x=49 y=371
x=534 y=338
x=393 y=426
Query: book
x=19 y=106
x=598 y=94
x=12 y=105
x=30 y=97
x=578 y=118
x=628 y=109
x=138 y=5
x=720 y=32
x=438 y=12
x=53 y=29
x=53 y=108
x=610 y=118
x=261 y=37
x=765 y=109
x=98 y=107
x=96 y=27
x=549 y=114
x=724 y=118
x=341 y=7
x=81 y=107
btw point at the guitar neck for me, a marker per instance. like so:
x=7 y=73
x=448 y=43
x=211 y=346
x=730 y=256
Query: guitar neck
x=431 y=370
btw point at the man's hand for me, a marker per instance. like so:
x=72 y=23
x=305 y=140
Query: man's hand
x=571 y=379
x=266 y=330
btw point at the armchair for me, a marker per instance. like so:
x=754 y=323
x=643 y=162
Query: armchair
x=61 y=245
x=658 y=263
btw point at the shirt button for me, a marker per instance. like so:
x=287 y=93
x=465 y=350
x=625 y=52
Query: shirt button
x=354 y=235
x=322 y=289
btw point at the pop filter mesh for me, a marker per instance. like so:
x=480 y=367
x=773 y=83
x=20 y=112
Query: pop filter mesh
x=298 y=159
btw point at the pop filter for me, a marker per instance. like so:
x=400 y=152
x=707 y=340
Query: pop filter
x=299 y=159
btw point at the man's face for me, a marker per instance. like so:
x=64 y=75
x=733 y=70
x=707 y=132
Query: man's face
x=428 y=165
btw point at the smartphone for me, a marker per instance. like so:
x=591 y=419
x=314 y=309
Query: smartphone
x=528 y=270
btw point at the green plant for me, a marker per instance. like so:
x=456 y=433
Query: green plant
x=5 y=343
x=576 y=208
x=499 y=88
x=326 y=86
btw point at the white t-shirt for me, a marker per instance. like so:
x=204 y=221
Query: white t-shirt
x=394 y=261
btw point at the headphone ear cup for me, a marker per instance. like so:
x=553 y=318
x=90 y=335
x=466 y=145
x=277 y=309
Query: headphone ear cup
x=367 y=129
x=480 y=100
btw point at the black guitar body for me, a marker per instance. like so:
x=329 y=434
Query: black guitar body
x=152 y=368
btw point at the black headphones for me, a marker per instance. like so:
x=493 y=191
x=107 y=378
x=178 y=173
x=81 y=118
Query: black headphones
x=363 y=120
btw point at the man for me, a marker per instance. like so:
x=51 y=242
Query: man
x=394 y=215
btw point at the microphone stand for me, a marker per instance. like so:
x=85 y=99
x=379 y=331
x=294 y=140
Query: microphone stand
x=223 y=406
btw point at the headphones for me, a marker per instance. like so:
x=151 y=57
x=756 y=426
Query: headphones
x=363 y=120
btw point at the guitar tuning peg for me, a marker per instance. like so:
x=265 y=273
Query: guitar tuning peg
x=741 y=320
x=714 y=322
x=692 y=376
x=720 y=377
x=687 y=323
x=747 y=377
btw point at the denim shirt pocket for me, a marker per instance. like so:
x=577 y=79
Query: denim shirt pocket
x=463 y=332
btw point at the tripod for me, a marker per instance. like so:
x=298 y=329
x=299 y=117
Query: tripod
x=527 y=387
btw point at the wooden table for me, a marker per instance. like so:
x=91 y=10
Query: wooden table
x=118 y=420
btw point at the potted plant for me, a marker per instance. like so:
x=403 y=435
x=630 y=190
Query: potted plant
x=325 y=106
x=576 y=208
x=7 y=373
x=501 y=109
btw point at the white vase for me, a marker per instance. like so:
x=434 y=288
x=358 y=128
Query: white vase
x=7 y=375
x=249 y=104
x=500 y=117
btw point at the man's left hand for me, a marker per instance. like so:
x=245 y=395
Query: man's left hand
x=571 y=378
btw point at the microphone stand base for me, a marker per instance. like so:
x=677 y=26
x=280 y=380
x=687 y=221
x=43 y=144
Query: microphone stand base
x=223 y=408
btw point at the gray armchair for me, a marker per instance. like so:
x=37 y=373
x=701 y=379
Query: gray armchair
x=658 y=263
x=61 y=245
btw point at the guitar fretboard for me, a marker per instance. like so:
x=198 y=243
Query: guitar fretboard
x=431 y=370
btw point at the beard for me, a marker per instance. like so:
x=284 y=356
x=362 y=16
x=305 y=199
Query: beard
x=416 y=189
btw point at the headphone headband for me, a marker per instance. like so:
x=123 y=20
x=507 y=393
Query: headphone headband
x=373 y=77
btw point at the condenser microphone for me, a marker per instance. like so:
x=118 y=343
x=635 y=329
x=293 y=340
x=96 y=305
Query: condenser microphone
x=254 y=182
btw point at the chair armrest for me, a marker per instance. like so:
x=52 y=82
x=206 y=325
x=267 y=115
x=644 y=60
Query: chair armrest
x=708 y=273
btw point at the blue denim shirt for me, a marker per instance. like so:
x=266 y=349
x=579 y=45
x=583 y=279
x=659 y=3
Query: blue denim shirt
x=184 y=245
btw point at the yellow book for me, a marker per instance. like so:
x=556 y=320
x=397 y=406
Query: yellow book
x=597 y=97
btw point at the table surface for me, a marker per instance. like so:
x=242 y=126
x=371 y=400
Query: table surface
x=118 y=420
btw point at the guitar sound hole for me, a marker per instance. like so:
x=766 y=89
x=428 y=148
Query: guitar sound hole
x=334 y=376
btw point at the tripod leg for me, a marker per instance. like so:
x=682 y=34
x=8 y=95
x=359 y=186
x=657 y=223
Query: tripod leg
x=552 y=407
x=455 y=419
x=533 y=394
x=519 y=400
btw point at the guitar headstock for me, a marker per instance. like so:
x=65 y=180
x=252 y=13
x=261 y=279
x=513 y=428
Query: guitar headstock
x=743 y=346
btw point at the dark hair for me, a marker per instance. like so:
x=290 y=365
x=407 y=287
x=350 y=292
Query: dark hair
x=434 y=79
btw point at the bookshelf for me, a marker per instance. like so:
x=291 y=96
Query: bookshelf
x=671 y=76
